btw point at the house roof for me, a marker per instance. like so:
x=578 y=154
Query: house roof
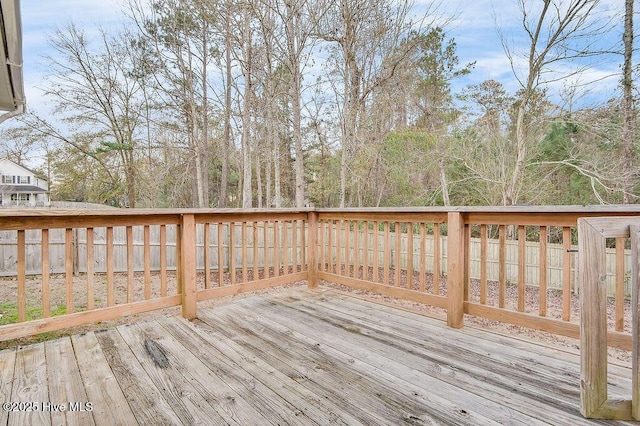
x=26 y=169
x=21 y=188
x=11 y=80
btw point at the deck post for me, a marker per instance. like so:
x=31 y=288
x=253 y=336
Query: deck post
x=593 y=325
x=635 y=320
x=187 y=260
x=455 y=270
x=312 y=250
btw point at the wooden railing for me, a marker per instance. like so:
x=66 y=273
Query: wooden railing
x=240 y=251
x=401 y=253
x=423 y=255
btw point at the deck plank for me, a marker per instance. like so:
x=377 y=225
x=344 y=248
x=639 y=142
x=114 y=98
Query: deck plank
x=315 y=376
x=65 y=384
x=7 y=368
x=103 y=391
x=162 y=367
x=449 y=403
x=497 y=382
x=30 y=387
x=146 y=402
x=338 y=376
x=243 y=375
x=549 y=355
x=305 y=405
x=231 y=407
x=298 y=356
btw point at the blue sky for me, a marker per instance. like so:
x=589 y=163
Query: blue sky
x=473 y=28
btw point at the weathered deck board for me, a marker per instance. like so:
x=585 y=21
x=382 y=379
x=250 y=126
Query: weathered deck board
x=297 y=357
x=65 y=384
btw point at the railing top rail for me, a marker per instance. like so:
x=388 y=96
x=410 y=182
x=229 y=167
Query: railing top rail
x=610 y=208
x=27 y=213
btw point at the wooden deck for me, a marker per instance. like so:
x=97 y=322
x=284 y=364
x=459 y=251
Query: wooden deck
x=294 y=357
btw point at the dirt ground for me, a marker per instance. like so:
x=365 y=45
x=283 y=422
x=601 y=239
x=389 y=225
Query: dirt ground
x=8 y=291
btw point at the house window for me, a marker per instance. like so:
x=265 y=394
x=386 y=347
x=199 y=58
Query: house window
x=7 y=179
x=20 y=197
x=24 y=179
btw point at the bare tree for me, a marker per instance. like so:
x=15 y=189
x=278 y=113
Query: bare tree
x=367 y=52
x=557 y=32
x=97 y=93
x=183 y=37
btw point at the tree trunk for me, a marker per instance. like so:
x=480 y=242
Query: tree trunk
x=293 y=54
x=246 y=115
x=627 y=105
x=226 y=139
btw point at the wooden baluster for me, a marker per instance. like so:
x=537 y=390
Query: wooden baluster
x=566 y=273
x=356 y=249
x=294 y=245
x=542 y=304
x=312 y=276
x=285 y=247
x=522 y=239
x=265 y=248
x=147 y=263
x=398 y=260
x=256 y=272
x=347 y=238
x=330 y=259
x=130 y=265
x=232 y=253
x=220 y=230
x=620 y=278
x=365 y=251
x=22 y=276
x=339 y=224
x=276 y=248
x=178 y=260
x=46 y=284
x=90 y=270
x=111 y=299
x=483 y=264
x=410 y=255
x=502 y=266
x=207 y=255
x=68 y=268
x=376 y=252
x=244 y=251
x=323 y=248
x=436 y=259
x=387 y=253
x=423 y=256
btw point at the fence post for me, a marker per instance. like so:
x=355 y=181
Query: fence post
x=312 y=250
x=187 y=260
x=455 y=270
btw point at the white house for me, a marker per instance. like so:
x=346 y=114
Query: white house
x=20 y=187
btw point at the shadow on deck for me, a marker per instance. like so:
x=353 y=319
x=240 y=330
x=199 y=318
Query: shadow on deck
x=294 y=357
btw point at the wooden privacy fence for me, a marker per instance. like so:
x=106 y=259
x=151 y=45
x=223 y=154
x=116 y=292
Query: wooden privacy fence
x=463 y=260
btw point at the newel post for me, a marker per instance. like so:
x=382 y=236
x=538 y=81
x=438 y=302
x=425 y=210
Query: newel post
x=455 y=270
x=312 y=251
x=187 y=261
